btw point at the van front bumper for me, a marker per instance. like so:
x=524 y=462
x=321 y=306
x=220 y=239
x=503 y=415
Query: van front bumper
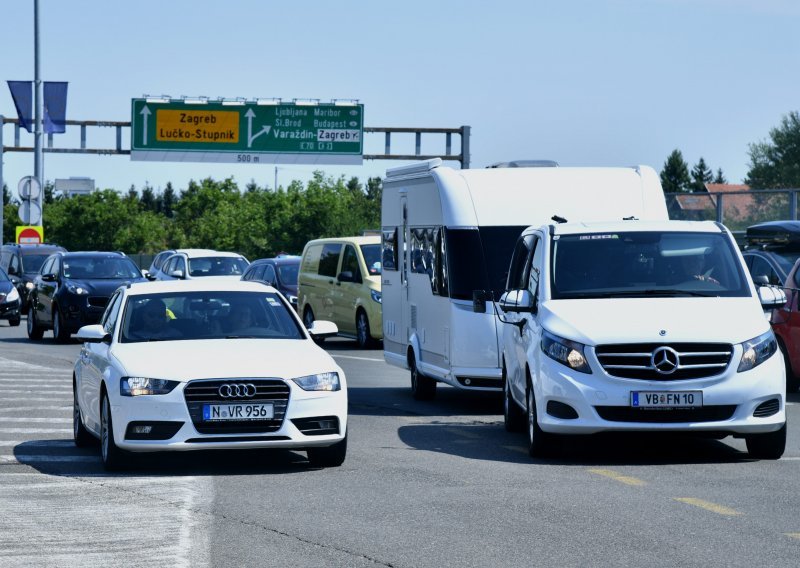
x=734 y=403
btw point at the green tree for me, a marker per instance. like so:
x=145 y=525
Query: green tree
x=675 y=174
x=169 y=200
x=775 y=164
x=148 y=199
x=720 y=178
x=701 y=175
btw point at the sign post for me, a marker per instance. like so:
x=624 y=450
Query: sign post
x=247 y=132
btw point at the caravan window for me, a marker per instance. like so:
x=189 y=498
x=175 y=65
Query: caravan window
x=389 y=253
x=428 y=257
x=479 y=259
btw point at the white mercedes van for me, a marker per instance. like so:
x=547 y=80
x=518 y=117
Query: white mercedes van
x=639 y=326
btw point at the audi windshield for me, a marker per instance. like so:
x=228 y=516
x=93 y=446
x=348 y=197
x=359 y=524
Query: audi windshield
x=208 y=315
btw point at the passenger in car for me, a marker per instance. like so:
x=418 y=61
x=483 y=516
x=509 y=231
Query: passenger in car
x=694 y=267
x=153 y=322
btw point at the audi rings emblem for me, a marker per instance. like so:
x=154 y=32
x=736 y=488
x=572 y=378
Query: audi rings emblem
x=665 y=360
x=237 y=390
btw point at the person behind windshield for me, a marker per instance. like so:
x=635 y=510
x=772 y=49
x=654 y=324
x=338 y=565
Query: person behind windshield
x=694 y=267
x=153 y=322
x=240 y=320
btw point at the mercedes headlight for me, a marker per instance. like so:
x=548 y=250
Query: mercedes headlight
x=75 y=289
x=566 y=352
x=376 y=295
x=320 y=382
x=136 y=386
x=757 y=350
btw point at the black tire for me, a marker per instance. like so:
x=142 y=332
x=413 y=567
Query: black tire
x=60 y=333
x=35 y=331
x=363 y=337
x=308 y=321
x=540 y=443
x=14 y=322
x=113 y=458
x=513 y=415
x=330 y=456
x=768 y=446
x=422 y=386
x=80 y=435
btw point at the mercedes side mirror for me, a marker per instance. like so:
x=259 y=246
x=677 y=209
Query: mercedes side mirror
x=771 y=297
x=517 y=301
x=49 y=277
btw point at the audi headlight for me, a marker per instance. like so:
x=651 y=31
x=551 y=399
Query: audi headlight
x=75 y=289
x=566 y=352
x=757 y=350
x=375 y=295
x=136 y=386
x=320 y=382
x=12 y=296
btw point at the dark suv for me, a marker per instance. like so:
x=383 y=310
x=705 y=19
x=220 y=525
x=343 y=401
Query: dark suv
x=73 y=288
x=22 y=264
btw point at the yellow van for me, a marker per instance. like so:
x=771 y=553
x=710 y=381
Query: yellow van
x=340 y=281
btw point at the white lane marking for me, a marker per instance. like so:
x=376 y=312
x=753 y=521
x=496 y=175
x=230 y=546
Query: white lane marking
x=27 y=378
x=105 y=506
x=35 y=430
x=37 y=390
x=10 y=364
x=36 y=420
x=31 y=398
x=29 y=408
x=26 y=459
x=335 y=356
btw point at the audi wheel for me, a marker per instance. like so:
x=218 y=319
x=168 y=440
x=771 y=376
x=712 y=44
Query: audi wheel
x=113 y=457
x=330 y=456
x=80 y=434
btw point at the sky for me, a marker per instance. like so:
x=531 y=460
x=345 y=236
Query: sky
x=581 y=82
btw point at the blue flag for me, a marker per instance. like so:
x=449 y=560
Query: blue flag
x=22 y=93
x=55 y=107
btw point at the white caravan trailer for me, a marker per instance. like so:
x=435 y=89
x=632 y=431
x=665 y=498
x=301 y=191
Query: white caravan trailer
x=447 y=238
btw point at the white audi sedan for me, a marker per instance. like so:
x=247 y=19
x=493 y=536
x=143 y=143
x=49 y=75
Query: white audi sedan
x=196 y=365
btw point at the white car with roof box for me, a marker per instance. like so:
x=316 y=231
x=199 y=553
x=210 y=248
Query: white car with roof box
x=207 y=365
x=640 y=326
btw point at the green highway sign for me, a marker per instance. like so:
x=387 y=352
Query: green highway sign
x=168 y=130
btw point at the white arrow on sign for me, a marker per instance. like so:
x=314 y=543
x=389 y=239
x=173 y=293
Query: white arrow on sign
x=250 y=136
x=145 y=113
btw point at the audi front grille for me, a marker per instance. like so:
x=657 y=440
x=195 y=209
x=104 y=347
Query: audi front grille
x=664 y=361
x=207 y=391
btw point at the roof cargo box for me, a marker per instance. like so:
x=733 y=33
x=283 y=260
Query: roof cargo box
x=774 y=234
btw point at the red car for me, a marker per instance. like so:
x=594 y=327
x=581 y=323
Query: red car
x=786 y=325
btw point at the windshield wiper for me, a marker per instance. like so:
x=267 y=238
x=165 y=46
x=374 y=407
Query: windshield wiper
x=655 y=292
x=244 y=336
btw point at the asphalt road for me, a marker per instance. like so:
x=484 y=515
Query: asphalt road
x=435 y=484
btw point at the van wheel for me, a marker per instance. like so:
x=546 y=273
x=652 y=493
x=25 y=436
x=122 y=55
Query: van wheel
x=422 y=387
x=513 y=415
x=540 y=443
x=35 y=331
x=792 y=380
x=363 y=336
x=308 y=321
x=60 y=333
x=767 y=446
